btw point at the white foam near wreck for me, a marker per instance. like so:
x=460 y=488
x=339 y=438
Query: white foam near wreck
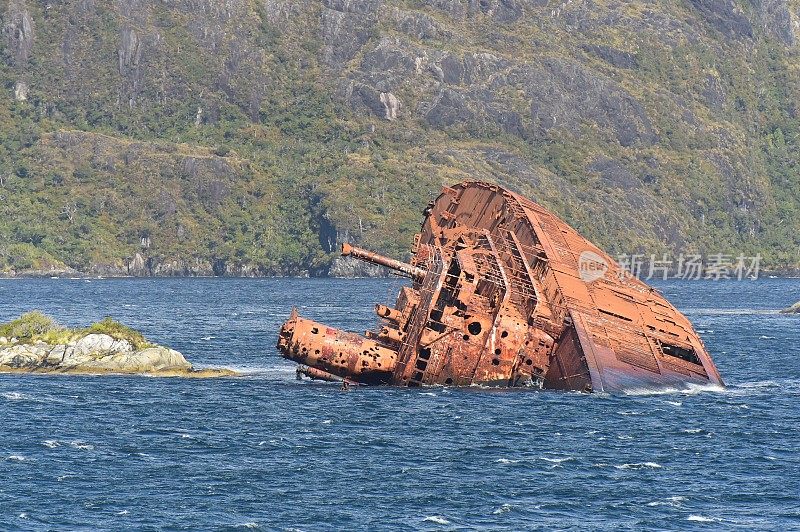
x=35 y=343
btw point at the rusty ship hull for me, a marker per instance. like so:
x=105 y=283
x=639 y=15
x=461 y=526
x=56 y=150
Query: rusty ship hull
x=504 y=293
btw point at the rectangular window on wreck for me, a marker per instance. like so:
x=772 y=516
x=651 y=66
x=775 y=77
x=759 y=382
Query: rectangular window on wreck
x=688 y=355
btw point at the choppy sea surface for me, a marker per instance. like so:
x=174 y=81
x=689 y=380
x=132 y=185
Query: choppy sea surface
x=267 y=451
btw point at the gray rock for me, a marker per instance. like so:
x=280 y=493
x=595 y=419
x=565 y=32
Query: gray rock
x=612 y=56
x=152 y=359
x=349 y=267
x=794 y=309
x=565 y=94
x=714 y=93
x=725 y=16
x=346 y=25
x=92 y=353
x=19 y=32
x=614 y=173
x=21 y=91
x=448 y=108
x=776 y=19
x=414 y=24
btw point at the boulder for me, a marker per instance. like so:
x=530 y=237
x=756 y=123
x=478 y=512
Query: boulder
x=794 y=309
x=97 y=353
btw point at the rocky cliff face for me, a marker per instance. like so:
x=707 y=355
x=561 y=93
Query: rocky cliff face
x=250 y=138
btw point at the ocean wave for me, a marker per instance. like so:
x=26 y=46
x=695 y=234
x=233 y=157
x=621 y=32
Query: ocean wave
x=690 y=389
x=701 y=519
x=439 y=520
x=640 y=465
x=17 y=458
x=81 y=445
x=732 y=311
x=52 y=444
x=560 y=460
x=506 y=461
x=505 y=508
x=14 y=396
x=674 y=501
x=275 y=370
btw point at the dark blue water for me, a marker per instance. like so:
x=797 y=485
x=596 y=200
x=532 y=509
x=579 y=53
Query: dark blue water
x=268 y=451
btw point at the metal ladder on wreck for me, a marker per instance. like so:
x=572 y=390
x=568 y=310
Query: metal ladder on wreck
x=427 y=292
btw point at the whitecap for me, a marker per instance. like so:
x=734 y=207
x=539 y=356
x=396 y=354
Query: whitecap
x=14 y=396
x=437 y=519
x=762 y=337
x=207 y=338
x=327 y=422
x=674 y=501
x=23 y=515
x=506 y=461
x=83 y=446
x=429 y=394
x=689 y=389
x=700 y=519
x=276 y=370
x=675 y=403
x=250 y=524
x=758 y=384
x=123 y=512
x=640 y=465
x=17 y=458
x=692 y=431
x=52 y=444
x=503 y=509
x=557 y=460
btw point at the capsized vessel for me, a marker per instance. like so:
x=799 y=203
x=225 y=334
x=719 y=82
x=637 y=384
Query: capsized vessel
x=504 y=293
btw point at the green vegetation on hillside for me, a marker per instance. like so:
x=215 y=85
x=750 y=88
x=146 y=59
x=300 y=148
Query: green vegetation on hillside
x=251 y=138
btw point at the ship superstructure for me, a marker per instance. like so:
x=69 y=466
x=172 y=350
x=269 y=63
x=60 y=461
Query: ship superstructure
x=504 y=293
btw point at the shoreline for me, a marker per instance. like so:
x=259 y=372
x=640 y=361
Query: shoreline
x=206 y=373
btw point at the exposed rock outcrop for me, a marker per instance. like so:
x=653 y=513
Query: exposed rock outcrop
x=34 y=343
x=794 y=309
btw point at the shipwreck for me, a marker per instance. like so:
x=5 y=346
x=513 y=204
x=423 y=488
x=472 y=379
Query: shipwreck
x=504 y=293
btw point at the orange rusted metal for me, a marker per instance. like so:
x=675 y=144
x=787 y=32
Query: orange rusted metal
x=504 y=293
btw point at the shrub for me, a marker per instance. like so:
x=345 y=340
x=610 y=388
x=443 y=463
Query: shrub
x=35 y=326
x=118 y=331
x=30 y=325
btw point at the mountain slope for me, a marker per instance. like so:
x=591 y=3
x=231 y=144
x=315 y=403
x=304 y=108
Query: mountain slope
x=249 y=138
